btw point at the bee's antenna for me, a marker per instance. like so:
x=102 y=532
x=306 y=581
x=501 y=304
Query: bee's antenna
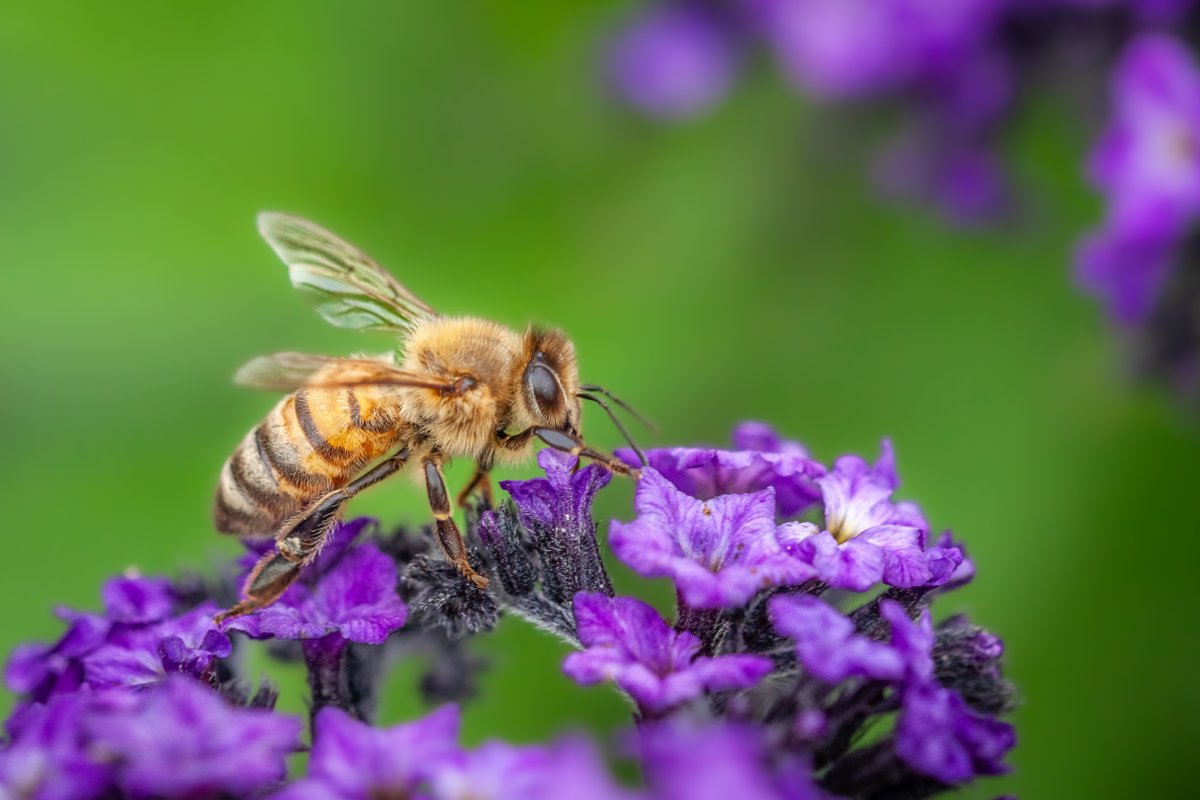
x=641 y=456
x=591 y=387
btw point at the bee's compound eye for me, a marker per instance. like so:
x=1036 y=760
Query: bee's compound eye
x=544 y=386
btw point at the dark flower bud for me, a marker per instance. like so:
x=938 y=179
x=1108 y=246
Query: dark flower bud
x=966 y=659
x=508 y=551
x=439 y=596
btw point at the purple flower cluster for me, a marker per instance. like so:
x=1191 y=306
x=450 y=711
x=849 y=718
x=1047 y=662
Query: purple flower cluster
x=956 y=73
x=803 y=618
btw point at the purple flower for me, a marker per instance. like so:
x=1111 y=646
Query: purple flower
x=556 y=513
x=850 y=48
x=868 y=537
x=351 y=759
x=41 y=671
x=563 y=499
x=1148 y=161
x=1148 y=165
x=575 y=763
x=177 y=738
x=690 y=762
x=495 y=771
x=939 y=736
x=135 y=642
x=134 y=599
x=181 y=739
x=676 y=61
x=140 y=655
x=48 y=758
x=720 y=552
x=627 y=642
x=349 y=591
x=761 y=460
x=827 y=645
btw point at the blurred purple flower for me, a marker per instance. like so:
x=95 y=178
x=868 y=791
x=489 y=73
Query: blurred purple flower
x=850 y=48
x=352 y=759
x=137 y=600
x=1148 y=165
x=676 y=61
x=177 y=738
x=48 y=757
x=686 y=761
x=720 y=552
x=180 y=739
x=495 y=771
x=627 y=642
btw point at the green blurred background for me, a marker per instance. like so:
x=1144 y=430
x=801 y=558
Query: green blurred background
x=728 y=269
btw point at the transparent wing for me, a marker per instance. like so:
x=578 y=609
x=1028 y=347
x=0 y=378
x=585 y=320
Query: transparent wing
x=287 y=372
x=350 y=290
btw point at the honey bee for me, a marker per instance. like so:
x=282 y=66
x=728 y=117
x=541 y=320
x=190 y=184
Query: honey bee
x=460 y=387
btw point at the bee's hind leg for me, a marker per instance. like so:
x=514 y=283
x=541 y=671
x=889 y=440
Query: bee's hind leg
x=301 y=540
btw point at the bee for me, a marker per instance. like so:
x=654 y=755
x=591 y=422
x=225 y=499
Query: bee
x=457 y=387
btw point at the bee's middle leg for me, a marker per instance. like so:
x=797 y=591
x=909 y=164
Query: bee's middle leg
x=301 y=541
x=481 y=481
x=448 y=534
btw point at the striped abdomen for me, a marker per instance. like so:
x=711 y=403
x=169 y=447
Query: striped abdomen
x=315 y=440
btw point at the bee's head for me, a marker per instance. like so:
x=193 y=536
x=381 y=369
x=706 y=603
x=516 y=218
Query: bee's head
x=548 y=393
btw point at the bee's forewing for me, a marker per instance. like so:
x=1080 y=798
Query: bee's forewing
x=350 y=290
x=287 y=372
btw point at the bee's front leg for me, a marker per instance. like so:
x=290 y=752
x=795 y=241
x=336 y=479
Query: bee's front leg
x=569 y=443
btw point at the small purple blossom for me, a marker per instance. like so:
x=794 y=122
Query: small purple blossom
x=720 y=552
x=939 y=736
x=761 y=459
x=556 y=512
x=868 y=537
x=188 y=644
x=349 y=591
x=627 y=642
x=563 y=499
x=827 y=645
